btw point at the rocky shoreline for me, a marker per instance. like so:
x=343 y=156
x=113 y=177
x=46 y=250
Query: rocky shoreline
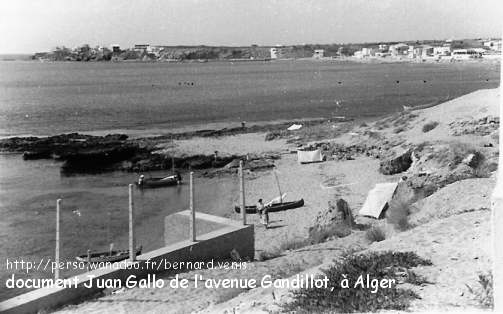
x=82 y=153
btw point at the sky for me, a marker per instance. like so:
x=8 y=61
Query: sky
x=28 y=26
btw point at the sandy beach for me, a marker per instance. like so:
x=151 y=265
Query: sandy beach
x=451 y=226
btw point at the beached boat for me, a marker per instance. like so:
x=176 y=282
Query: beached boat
x=277 y=207
x=104 y=257
x=159 y=182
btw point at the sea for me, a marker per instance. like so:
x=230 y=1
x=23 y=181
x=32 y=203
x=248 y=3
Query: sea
x=143 y=99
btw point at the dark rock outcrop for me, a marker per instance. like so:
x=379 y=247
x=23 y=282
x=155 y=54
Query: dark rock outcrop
x=397 y=164
x=80 y=153
x=481 y=127
x=99 y=158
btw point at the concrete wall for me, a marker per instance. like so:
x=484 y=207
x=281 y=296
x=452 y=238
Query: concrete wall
x=215 y=245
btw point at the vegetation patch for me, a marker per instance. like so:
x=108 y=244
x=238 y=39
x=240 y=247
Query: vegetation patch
x=375 y=234
x=429 y=126
x=349 y=289
x=273 y=135
x=263 y=256
x=454 y=154
x=404 y=119
x=326 y=232
x=399 y=129
x=316 y=235
x=483 y=293
x=400 y=208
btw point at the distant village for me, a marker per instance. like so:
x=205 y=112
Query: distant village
x=435 y=50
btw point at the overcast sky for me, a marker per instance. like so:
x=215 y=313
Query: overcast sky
x=32 y=25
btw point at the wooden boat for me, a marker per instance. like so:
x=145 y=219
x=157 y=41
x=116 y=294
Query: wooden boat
x=273 y=208
x=104 y=257
x=159 y=182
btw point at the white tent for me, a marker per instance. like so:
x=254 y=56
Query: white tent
x=378 y=199
x=305 y=157
x=294 y=127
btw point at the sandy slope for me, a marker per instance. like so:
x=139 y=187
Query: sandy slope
x=458 y=197
x=459 y=246
x=473 y=106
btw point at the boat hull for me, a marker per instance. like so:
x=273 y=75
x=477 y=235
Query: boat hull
x=158 y=182
x=104 y=257
x=273 y=208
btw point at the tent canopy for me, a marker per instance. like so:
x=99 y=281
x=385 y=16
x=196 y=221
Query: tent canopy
x=309 y=156
x=377 y=199
x=294 y=127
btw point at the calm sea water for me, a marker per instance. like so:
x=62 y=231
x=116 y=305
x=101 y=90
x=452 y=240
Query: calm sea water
x=51 y=98
x=94 y=212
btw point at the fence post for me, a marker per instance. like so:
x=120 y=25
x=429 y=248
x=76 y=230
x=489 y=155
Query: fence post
x=56 y=257
x=242 y=192
x=192 y=228
x=132 y=244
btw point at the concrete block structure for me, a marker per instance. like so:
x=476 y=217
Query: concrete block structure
x=231 y=236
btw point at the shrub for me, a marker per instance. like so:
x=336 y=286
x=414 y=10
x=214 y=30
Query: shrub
x=457 y=152
x=287 y=269
x=400 y=207
x=375 y=234
x=399 y=217
x=317 y=235
x=382 y=126
x=400 y=129
x=404 y=119
x=293 y=244
x=269 y=254
x=453 y=154
x=429 y=126
x=484 y=293
x=357 y=298
x=274 y=135
x=485 y=168
x=323 y=233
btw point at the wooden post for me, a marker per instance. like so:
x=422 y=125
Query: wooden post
x=172 y=157
x=192 y=227
x=56 y=257
x=279 y=188
x=242 y=192
x=132 y=244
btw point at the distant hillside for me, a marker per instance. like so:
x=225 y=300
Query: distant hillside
x=181 y=53
x=14 y=57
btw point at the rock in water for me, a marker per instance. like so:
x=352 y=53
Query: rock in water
x=397 y=164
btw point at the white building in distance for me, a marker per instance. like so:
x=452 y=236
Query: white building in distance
x=274 y=53
x=442 y=51
x=319 y=53
x=493 y=45
x=399 y=49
